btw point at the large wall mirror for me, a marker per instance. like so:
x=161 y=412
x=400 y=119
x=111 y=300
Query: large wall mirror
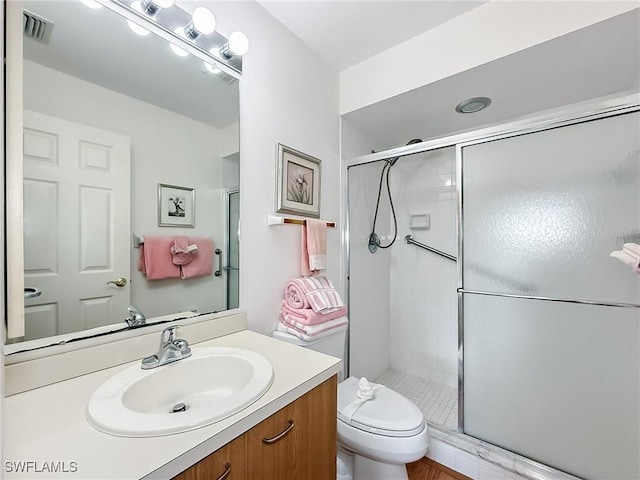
x=108 y=117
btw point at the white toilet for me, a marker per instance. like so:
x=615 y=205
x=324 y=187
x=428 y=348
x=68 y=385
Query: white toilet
x=377 y=436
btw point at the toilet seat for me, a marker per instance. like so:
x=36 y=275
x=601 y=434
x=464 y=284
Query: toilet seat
x=388 y=413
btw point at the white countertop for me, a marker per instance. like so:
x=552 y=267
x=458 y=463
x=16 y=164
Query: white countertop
x=47 y=426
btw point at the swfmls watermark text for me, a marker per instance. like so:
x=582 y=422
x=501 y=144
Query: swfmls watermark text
x=38 y=466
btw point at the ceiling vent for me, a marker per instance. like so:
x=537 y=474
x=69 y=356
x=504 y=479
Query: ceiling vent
x=36 y=27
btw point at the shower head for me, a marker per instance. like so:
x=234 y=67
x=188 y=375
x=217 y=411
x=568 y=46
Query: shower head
x=392 y=161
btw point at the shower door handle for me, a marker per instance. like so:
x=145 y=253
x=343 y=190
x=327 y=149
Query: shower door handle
x=218 y=272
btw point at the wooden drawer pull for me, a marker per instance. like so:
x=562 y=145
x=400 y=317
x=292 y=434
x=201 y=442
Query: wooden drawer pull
x=271 y=440
x=227 y=471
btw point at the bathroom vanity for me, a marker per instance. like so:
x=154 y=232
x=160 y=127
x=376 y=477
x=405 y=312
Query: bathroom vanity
x=47 y=426
x=299 y=441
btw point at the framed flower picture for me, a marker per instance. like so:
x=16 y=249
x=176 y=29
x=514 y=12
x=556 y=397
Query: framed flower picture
x=298 y=183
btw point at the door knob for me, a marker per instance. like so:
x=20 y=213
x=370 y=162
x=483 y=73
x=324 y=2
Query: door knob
x=120 y=282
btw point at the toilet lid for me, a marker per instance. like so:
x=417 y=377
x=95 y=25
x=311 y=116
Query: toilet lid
x=387 y=413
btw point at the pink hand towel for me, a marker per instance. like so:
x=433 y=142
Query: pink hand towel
x=314 y=247
x=156 y=260
x=202 y=263
x=182 y=250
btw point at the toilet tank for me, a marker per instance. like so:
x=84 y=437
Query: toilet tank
x=333 y=344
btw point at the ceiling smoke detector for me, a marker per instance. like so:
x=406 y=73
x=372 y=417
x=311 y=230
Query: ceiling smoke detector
x=472 y=105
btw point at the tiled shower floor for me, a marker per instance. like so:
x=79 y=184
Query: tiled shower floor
x=438 y=403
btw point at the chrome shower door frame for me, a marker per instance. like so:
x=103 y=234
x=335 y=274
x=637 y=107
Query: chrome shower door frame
x=569 y=115
x=482 y=448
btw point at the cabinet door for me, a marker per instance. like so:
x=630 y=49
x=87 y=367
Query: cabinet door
x=299 y=441
x=228 y=463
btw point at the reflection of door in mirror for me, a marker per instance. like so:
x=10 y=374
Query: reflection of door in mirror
x=76 y=225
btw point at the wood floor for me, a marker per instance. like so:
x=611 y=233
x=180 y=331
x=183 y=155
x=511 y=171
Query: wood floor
x=427 y=469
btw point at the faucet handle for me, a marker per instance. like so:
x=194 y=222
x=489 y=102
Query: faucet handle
x=168 y=335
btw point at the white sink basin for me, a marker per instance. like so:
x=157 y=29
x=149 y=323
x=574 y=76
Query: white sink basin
x=214 y=383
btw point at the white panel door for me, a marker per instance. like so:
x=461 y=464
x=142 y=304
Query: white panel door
x=76 y=225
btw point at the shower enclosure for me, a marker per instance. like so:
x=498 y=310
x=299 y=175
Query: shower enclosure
x=530 y=341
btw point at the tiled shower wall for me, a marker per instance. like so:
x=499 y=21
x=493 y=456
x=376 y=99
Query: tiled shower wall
x=423 y=327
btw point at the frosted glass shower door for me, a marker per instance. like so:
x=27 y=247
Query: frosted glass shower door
x=551 y=366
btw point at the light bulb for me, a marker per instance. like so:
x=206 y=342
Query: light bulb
x=92 y=4
x=203 y=21
x=137 y=29
x=151 y=7
x=238 y=43
x=174 y=48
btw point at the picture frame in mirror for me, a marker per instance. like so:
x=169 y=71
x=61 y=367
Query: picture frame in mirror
x=176 y=206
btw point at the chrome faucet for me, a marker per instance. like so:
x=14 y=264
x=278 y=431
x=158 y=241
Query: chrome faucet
x=171 y=350
x=136 y=318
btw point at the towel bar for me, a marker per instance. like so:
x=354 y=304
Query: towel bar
x=137 y=241
x=276 y=220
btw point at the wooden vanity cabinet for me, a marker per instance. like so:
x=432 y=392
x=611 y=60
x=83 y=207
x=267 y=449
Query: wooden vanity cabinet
x=296 y=443
x=228 y=463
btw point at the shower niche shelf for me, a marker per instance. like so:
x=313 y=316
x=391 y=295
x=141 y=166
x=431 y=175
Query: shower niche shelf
x=420 y=221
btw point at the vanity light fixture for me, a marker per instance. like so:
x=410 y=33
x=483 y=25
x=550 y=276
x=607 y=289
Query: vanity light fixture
x=137 y=29
x=202 y=23
x=238 y=44
x=189 y=32
x=151 y=7
x=212 y=68
x=181 y=52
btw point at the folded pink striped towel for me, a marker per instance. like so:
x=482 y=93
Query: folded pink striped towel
x=308 y=316
x=313 y=330
x=317 y=293
x=284 y=327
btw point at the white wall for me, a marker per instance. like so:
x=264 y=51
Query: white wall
x=160 y=141
x=488 y=32
x=288 y=96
